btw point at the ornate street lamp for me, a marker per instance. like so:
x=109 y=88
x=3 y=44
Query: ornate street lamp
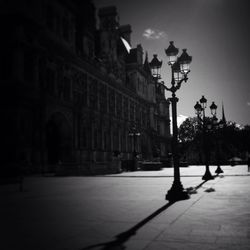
x=217 y=126
x=203 y=102
x=155 y=66
x=134 y=134
x=171 y=53
x=206 y=126
x=213 y=108
x=185 y=61
x=198 y=108
x=179 y=72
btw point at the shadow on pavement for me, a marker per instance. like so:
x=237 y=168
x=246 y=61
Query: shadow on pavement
x=120 y=239
x=193 y=190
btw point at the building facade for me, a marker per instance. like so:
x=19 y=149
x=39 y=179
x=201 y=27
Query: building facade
x=72 y=91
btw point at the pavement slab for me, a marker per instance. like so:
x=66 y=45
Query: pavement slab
x=128 y=211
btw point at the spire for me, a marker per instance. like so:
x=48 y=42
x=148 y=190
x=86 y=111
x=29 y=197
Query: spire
x=146 y=66
x=223 y=115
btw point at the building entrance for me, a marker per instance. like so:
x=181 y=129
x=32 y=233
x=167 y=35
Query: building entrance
x=59 y=139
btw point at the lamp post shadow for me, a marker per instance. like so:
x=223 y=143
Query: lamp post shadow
x=122 y=238
x=193 y=190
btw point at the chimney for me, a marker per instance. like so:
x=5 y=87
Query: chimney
x=108 y=18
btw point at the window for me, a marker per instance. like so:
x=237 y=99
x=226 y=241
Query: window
x=90 y=48
x=5 y=65
x=28 y=66
x=103 y=98
x=125 y=108
x=111 y=101
x=78 y=98
x=83 y=137
x=116 y=140
x=131 y=115
x=119 y=105
x=41 y=75
x=50 y=17
x=97 y=139
x=66 y=29
x=84 y=89
x=50 y=81
x=93 y=94
x=67 y=89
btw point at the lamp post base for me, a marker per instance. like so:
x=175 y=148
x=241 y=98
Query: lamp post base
x=219 y=170
x=207 y=176
x=177 y=193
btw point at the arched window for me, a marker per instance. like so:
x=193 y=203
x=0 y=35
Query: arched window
x=66 y=32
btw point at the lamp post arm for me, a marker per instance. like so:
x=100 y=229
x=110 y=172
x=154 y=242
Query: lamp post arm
x=174 y=86
x=168 y=89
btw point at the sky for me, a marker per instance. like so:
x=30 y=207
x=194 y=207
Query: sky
x=216 y=33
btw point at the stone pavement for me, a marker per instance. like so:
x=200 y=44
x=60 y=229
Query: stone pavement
x=128 y=211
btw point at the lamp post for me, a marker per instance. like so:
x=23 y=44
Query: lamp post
x=134 y=134
x=206 y=127
x=179 y=72
x=217 y=126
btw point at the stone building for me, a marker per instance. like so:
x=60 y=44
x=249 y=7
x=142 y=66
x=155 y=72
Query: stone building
x=72 y=91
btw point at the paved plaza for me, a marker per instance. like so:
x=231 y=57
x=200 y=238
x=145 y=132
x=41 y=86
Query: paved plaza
x=128 y=211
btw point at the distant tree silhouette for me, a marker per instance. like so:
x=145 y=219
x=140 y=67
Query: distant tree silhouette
x=190 y=138
x=188 y=129
x=234 y=140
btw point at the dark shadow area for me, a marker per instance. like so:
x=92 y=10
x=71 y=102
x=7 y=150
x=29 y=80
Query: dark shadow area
x=193 y=190
x=200 y=185
x=120 y=239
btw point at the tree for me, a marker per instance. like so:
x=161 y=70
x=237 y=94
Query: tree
x=188 y=129
x=234 y=140
x=190 y=139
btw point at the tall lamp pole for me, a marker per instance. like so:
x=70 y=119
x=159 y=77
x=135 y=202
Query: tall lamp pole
x=179 y=72
x=206 y=126
x=217 y=127
x=134 y=134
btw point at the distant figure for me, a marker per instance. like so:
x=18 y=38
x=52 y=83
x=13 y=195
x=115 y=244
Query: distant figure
x=23 y=166
x=116 y=161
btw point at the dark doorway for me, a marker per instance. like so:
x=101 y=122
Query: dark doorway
x=59 y=139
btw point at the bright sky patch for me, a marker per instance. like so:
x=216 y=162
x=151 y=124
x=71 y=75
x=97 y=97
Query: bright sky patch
x=126 y=44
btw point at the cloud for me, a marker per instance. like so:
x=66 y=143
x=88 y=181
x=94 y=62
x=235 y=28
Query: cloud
x=248 y=103
x=154 y=34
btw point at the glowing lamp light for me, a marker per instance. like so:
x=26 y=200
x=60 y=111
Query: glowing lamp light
x=177 y=72
x=213 y=108
x=171 y=53
x=198 y=108
x=203 y=101
x=184 y=61
x=155 y=66
x=221 y=124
